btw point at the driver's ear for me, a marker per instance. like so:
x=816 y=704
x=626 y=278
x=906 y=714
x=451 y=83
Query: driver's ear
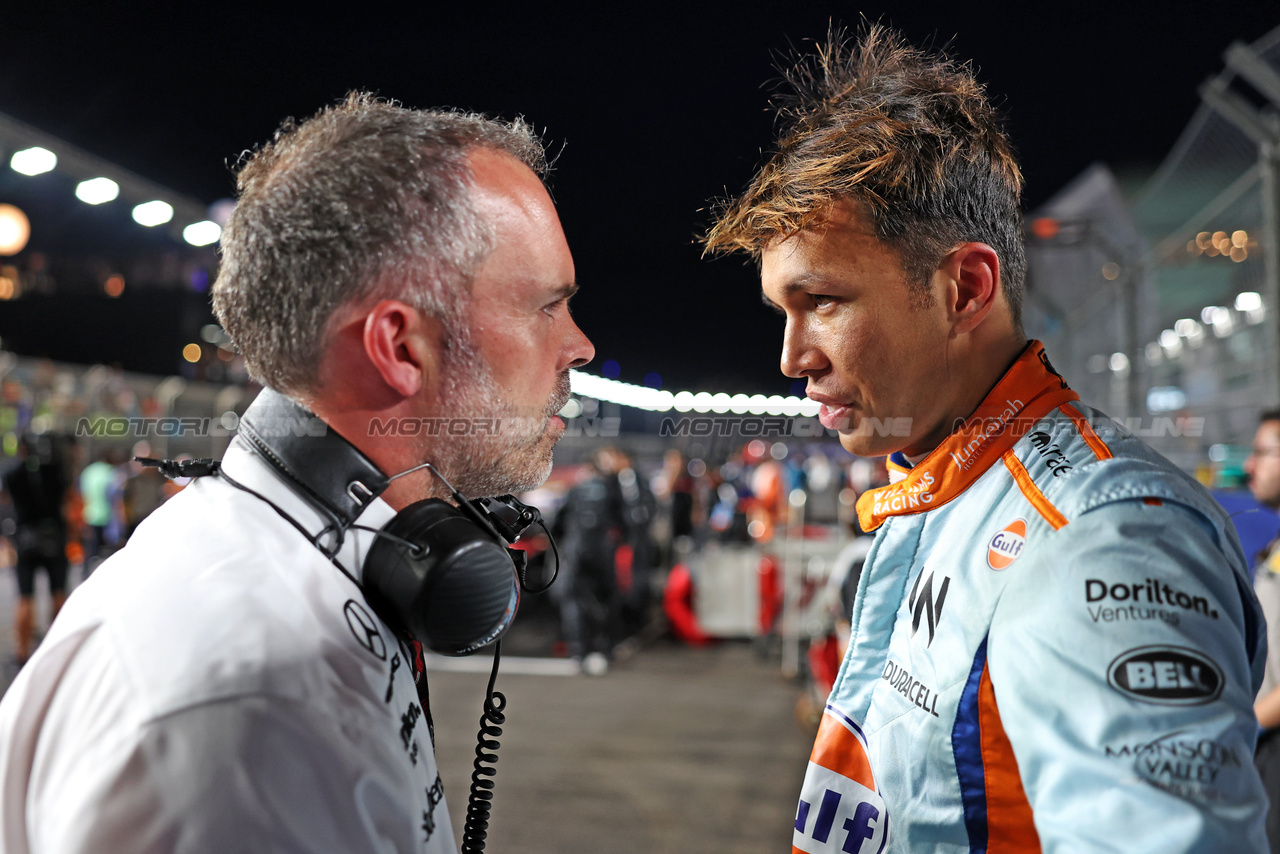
x=971 y=273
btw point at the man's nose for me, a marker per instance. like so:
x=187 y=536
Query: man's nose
x=801 y=357
x=578 y=349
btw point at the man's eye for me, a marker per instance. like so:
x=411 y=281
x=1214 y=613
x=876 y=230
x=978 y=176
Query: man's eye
x=821 y=299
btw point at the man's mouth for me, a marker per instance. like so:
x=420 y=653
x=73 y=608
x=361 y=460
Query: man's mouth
x=835 y=417
x=833 y=413
x=560 y=397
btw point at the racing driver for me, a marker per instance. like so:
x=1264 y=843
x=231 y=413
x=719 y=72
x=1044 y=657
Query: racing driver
x=1054 y=644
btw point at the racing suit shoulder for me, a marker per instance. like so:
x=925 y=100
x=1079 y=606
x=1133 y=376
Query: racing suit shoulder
x=1124 y=656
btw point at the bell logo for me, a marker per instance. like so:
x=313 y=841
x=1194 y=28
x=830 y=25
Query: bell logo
x=1166 y=675
x=1006 y=545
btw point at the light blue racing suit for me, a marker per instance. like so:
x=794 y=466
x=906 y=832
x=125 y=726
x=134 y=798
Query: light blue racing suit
x=1054 y=646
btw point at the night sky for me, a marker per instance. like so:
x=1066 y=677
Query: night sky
x=658 y=110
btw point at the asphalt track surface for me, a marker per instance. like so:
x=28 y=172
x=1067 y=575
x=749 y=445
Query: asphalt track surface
x=675 y=749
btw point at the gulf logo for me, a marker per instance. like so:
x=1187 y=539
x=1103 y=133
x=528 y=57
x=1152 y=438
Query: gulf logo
x=1007 y=544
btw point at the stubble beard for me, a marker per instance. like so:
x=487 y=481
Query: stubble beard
x=509 y=449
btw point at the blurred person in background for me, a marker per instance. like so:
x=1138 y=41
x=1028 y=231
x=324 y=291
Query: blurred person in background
x=228 y=681
x=1263 y=469
x=37 y=488
x=674 y=487
x=590 y=525
x=100 y=489
x=637 y=553
x=1054 y=643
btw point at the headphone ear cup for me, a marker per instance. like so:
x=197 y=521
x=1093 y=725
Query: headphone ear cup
x=443 y=578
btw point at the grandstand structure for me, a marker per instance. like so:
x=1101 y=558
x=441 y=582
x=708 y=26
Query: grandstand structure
x=1162 y=304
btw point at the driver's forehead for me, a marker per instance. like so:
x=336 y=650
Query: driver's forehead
x=1269 y=433
x=833 y=250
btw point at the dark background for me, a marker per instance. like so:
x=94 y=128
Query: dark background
x=656 y=111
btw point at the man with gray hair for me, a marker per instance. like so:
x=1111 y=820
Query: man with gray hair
x=227 y=682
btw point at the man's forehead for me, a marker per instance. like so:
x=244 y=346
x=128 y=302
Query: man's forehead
x=502 y=187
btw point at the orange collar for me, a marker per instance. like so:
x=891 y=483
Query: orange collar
x=1030 y=390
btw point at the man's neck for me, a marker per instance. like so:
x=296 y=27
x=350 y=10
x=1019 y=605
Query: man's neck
x=972 y=377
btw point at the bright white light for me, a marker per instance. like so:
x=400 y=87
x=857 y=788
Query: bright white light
x=153 y=213
x=1192 y=331
x=202 y=233
x=1206 y=314
x=96 y=191
x=1119 y=363
x=1171 y=342
x=593 y=388
x=571 y=409
x=1248 y=301
x=1220 y=320
x=33 y=161
x=1166 y=399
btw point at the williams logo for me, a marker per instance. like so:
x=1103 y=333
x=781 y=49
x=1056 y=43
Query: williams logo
x=1006 y=545
x=1166 y=675
x=922 y=603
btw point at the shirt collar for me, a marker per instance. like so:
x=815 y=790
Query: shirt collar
x=1030 y=390
x=249 y=469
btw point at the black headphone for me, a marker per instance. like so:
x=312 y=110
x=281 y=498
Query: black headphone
x=442 y=573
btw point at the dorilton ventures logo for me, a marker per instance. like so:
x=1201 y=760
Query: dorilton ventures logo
x=1007 y=544
x=1166 y=675
x=923 y=603
x=1149 y=591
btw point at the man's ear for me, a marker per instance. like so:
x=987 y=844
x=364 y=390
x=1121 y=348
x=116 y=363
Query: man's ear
x=403 y=345
x=973 y=272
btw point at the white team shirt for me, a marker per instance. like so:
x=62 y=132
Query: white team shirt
x=220 y=686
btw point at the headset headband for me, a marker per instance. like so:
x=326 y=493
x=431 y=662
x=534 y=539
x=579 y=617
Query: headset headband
x=330 y=470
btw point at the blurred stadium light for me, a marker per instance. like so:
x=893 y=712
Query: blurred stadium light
x=33 y=152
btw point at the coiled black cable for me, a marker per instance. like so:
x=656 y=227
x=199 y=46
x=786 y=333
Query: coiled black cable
x=480 y=799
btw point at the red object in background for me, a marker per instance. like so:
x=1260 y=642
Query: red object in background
x=770 y=593
x=677 y=604
x=824 y=662
x=622 y=561
x=1045 y=228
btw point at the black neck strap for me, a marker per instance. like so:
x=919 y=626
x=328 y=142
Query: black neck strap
x=327 y=468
